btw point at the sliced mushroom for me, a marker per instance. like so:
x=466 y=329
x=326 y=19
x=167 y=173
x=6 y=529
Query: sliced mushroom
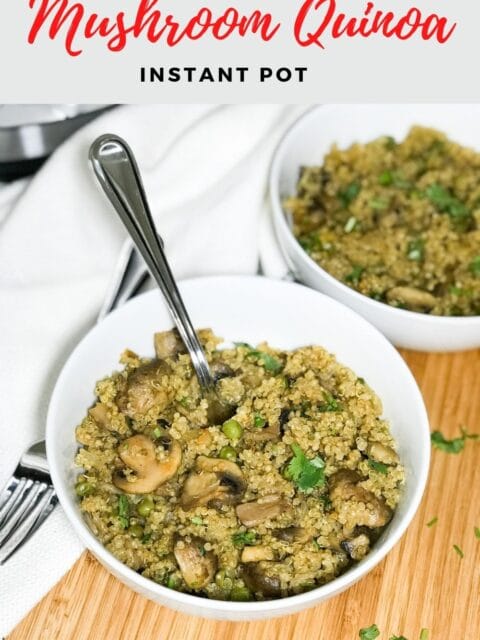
x=344 y=486
x=214 y=482
x=100 y=415
x=138 y=453
x=252 y=513
x=292 y=534
x=168 y=344
x=197 y=565
x=143 y=390
x=257 y=580
x=270 y=432
x=218 y=411
x=382 y=453
x=414 y=299
x=221 y=370
x=256 y=554
x=357 y=547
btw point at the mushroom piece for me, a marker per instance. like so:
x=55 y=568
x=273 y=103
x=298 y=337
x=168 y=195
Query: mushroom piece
x=382 y=453
x=292 y=534
x=414 y=299
x=218 y=411
x=252 y=513
x=99 y=413
x=214 y=482
x=256 y=554
x=221 y=370
x=143 y=390
x=344 y=486
x=168 y=344
x=138 y=453
x=357 y=547
x=196 y=565
x=270 y=432
x=257 y=580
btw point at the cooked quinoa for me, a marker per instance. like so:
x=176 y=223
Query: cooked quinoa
x=397 y=221
x=283 y=496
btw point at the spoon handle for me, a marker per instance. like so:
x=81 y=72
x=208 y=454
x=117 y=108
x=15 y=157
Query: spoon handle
x=117 y=171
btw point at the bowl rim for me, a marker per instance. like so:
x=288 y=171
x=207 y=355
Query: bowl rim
x=280 y=221
x=147 y=586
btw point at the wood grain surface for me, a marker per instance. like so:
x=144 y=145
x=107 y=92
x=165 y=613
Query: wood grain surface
x=422 y=584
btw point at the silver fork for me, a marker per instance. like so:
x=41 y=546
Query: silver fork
x=29 y=496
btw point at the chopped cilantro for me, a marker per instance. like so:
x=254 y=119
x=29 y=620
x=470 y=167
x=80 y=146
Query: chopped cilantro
x=196 y=520
x=390 y=143
x=378 y=466
x=475 y=266
x=379 y=204
x=259 y=421
x=476 y=530
x=185 y=401
x=327 y=503
x=458 y=550
x=369 y=633
x=269 y=363
x=361 y=380
x=348 y=195
x=306 y=473
x=416 y=250
x=350 y=224
x=385 y=178
x=452 y=446
x=355 y=275
x=146 y=538
x=433 y=521
x=157 y=432
x=446 y=202
x=316 y=546
x=123 y=511
x=330 y=403
x=244 y=539
x=397 y=638
x=424 y=634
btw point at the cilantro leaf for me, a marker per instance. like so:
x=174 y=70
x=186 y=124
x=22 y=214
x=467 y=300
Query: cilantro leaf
x=477 y=532
x=123 y=511
x=431 y=522
x=244 y=539
x=378 y=466
x=452 y=446
x=355 y=275
x=397 y=638
x=348 y=195
x=424 y=634
x=330 y=403
x=306 y=473
x=270 y=363
x=446 y=202
x=458 y=551
x=369 y=633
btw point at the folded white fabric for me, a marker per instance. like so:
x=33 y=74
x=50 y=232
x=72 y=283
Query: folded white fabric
x=204 y=169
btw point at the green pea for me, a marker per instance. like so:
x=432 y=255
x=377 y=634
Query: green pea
x=135 y=530
x=232 y=429
x=228 y=453
x=240 y=594
x=172 y=581
x=83 y=488
x=145 y=506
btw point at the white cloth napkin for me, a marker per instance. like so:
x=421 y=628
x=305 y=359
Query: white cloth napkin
x=204 y=169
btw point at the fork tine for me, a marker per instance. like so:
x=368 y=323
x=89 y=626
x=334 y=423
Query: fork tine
x=20 y=508
x=23 y=530
x=15 y=497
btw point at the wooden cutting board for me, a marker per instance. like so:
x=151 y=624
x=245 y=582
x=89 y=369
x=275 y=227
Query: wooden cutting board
x=422 y=584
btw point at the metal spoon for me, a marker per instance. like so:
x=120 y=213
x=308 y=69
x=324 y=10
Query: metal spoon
x=116 y=169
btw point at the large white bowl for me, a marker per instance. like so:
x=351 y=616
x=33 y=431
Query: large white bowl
x=248 y=309
x=306 y=143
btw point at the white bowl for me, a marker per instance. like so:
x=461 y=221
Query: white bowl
x=248 y=309
x=306 y=143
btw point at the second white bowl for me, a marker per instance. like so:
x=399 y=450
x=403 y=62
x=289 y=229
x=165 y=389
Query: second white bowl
x=306 y=143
